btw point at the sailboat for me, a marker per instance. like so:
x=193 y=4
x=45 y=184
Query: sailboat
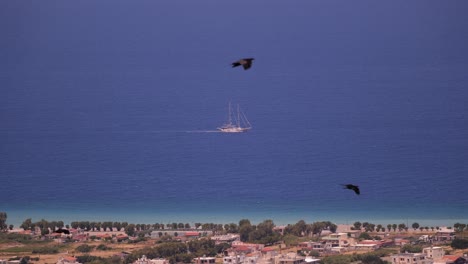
x=241 y=124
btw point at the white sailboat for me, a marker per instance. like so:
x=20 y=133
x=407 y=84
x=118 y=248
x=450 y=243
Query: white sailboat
x=241 y=124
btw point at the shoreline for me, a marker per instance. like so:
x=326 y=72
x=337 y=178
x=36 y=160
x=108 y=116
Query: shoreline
x=16 y=217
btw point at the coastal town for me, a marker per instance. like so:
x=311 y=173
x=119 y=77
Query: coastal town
x=243 y=243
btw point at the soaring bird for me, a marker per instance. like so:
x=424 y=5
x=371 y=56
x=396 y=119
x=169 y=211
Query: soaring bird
x=61 y=230
x=246 y=63
x=355 y=188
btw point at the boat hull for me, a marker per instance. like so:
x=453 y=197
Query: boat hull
x=233 y=129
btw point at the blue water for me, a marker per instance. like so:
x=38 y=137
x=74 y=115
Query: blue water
x=108 y=110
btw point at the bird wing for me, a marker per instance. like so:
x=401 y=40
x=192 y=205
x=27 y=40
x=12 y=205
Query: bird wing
x=235 y=64
x=247 y=65
x=356 y=190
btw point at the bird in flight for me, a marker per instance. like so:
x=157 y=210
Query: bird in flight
x=61 y=230
x=355 y=188
x=246 y=63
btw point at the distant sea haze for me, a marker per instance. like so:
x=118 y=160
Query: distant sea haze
x=101 y=101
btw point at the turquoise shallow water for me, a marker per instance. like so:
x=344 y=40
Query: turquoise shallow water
x=100 y=102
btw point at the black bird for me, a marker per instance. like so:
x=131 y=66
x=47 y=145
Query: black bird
x=246 y=63
x=60 y=230
x=355 y=188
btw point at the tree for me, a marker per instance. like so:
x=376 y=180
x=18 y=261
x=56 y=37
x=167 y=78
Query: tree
x=379 y=227
x=401 y=227
x=357 y=225
x=394 y=226
x=317 y=227
x=130 y=230
x=299 y=228
x=27 y=224
x=389 y=227
x=264 y=233
x=244 y=229
x=117 y=225
x=3 y=218
x=459 y=243
x=371 y=259
x=84 y=248
x=415 y=226
x=365 y=236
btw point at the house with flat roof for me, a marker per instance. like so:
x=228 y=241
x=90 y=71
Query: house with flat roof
x=336 y=240
x=410 y=258
x=145 y=260
x=434 y=253
x=290 y=258
x=204 y=260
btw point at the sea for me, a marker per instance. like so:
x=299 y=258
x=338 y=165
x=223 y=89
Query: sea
x=109 y=111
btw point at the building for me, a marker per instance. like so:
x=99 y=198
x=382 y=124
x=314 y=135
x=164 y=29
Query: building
x=444 y=235
x=279 y=229
x=228 y=238
x=145 y=260
x=204 y=260
x=67 y=260
x=410 y=258
x=434 y=253
x=368 y=245
x=310 y=245
x=336 y=240
x=310 y=260
x=452 y=259
x=290 y=258
x=2 y=261
x=240 y=259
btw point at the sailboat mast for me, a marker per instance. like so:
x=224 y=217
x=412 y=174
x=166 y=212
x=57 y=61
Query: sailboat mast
x=238 y=117
x=229 y=113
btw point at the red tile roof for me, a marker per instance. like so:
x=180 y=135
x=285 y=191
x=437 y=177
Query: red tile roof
x=450 y=257
x=192 y=233
x=242 y=248
x=69 y=258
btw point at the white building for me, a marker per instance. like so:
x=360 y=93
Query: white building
x=434 y=253
x=145 y=260
x=204 y=260
x=410 y=258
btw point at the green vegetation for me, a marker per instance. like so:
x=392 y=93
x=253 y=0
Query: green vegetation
x=103 y=247
x=85 y=248
x=3 y=218
x=411 y=248
x=174 y=251
x=46 y=250
x=459 y=243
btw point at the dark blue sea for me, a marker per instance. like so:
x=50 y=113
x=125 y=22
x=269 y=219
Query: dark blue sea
x=108 y=111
